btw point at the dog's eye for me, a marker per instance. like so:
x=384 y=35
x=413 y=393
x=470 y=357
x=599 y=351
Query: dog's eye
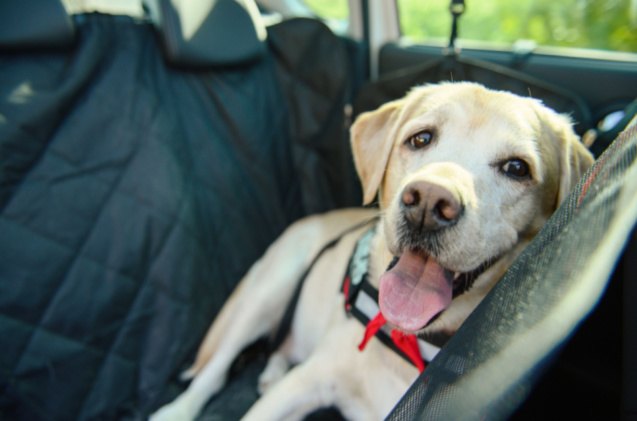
x=516 y=168
x=420 y=140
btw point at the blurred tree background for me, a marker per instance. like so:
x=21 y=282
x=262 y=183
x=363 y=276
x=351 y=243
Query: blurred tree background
x=597 y=24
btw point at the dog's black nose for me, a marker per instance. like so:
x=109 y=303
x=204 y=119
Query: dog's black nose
x=430 y=206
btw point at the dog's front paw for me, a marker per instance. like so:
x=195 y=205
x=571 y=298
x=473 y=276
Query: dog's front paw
x=177 y=410
x=277 y=366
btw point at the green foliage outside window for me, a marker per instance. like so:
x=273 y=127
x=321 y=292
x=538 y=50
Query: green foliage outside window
x=596 y=24
x=329 y=9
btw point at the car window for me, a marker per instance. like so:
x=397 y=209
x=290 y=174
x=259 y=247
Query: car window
x=334 y=12
x=591 y=24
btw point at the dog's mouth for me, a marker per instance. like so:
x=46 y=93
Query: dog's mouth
x=416 y=289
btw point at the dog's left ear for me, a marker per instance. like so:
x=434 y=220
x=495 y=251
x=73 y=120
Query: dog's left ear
x=573 y=157
x=371 y=139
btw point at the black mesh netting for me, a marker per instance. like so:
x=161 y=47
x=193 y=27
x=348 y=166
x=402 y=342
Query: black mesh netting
x=489 y=367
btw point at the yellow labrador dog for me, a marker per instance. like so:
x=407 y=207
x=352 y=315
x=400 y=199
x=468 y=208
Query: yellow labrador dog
x=465 y=177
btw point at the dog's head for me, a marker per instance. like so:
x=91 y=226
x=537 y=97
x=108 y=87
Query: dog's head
x=464 y=176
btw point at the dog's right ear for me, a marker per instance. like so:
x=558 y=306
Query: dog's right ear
x=372 y=140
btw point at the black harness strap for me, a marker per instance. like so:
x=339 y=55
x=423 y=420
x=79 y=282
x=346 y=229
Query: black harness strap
x=286 y=323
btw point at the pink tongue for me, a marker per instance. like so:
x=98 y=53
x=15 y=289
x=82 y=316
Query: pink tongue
x=415 y=290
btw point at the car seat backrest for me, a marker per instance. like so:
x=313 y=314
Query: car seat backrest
x=193 y=33
x=35 y=24
x=206 y=33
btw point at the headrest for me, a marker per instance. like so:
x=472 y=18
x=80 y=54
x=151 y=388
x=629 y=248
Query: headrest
x=202 y=33
x=35 y=24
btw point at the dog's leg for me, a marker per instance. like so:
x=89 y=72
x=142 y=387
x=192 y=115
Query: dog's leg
x=318 y=382
x=256 y=307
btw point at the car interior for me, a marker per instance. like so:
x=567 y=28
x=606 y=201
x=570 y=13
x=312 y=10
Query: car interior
x=151 y=150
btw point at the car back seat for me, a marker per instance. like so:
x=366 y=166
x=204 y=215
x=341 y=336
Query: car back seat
x=143 y=167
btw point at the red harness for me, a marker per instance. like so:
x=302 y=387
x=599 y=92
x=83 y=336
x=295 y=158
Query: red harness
x=361 y=301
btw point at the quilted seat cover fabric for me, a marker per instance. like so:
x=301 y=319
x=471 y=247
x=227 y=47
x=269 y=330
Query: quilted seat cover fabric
x=134 y=195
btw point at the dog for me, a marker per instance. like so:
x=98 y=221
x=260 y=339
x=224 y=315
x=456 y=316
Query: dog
x=464 y=177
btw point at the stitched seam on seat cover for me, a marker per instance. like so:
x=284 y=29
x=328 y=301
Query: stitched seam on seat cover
x=58 y=334
x=84 y=257
x=60 y=244
x=145 y=284
x=72 y=264
x=108 y=352
x=73 y=90
x=33 y=404
x=171 y=220
x=142 y=201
